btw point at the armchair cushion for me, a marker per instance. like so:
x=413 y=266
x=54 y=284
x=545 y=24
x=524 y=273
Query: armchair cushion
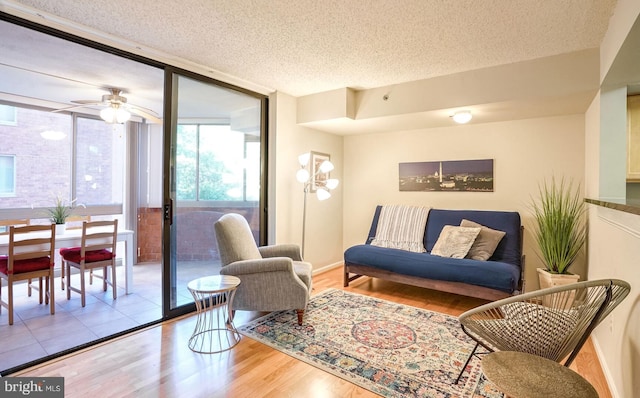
x=270 y=284
x=300 y=269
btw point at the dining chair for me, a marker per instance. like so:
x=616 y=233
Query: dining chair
x=4 y=230
x=5 y=224
x=97 y=250
x=72 y=223
x=30 y=256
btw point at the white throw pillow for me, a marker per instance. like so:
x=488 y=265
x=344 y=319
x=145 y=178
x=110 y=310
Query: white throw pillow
x=454 y=241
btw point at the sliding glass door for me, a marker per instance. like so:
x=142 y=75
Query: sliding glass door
x=214 y=166
x=204 y=160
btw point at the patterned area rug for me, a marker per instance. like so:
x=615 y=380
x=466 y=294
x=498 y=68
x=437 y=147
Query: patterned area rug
x=390 y=349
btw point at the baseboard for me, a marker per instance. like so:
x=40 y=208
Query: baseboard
x=605 y=369
x=327 y=268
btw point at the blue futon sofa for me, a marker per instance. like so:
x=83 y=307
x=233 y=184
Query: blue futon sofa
x=502 y=275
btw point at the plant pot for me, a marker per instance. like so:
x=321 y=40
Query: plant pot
x=61 y=229
x=548 y=279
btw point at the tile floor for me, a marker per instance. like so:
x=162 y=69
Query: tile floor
x=36 y=333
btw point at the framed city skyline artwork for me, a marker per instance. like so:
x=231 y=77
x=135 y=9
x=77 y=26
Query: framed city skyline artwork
x=447 y=175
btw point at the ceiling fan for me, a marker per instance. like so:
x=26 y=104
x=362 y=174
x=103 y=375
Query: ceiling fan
x=116 y=109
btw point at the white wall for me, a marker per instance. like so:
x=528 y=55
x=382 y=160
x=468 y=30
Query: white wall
x=614 y=236
x=614 y=251
x=323 y=243
x=525 y=152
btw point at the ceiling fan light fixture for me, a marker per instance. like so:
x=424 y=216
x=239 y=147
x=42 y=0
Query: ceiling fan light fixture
x=462 y=117
x=118 y=109
x=115 y=114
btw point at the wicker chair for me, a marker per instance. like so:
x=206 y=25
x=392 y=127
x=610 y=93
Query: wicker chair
x=553 y=323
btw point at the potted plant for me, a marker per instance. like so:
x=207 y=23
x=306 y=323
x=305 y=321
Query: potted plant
x=59 y=214
x=560 y=230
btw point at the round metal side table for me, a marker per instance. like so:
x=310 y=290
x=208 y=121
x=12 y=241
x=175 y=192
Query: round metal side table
x=214 y=331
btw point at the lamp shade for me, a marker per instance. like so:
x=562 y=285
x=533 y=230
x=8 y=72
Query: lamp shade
x=326 y=167
x=115 y=114
x=332 y=183
x=304 y=159
x=302 y=175
x=322 y=194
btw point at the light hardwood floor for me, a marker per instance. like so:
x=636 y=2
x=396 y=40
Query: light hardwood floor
x=156 y=362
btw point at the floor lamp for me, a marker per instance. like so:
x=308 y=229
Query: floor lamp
x=307 y=175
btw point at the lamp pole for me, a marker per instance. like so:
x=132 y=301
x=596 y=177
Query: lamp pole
x=304 y=216
x=321 y=187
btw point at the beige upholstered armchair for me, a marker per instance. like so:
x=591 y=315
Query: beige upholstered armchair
x=273 y=278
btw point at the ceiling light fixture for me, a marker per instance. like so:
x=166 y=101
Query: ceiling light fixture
x=53 y=135
x=462 y=117
x=115 y=114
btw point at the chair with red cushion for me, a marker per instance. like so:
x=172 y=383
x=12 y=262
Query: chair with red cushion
x=30 y=256
x=74 y=222
x=97 y=250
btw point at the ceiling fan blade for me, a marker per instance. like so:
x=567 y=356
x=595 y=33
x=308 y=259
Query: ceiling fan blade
x=116 y=100
x=89 y=102
x=143 y=109
x=150 y=117
x=69 y=108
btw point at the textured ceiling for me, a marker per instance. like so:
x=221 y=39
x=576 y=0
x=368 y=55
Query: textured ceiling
x=309 y=46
